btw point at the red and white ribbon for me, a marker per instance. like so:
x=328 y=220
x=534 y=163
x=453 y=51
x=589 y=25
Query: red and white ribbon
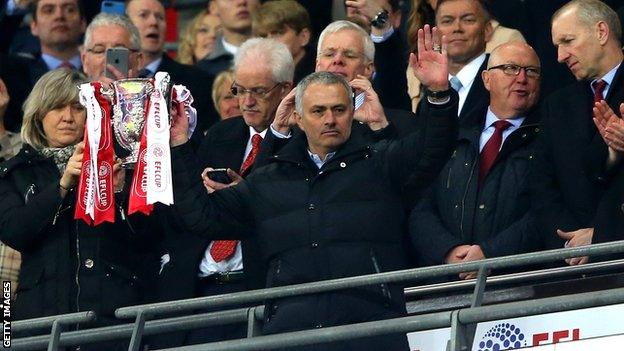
x=152 y=180
x=95 y=203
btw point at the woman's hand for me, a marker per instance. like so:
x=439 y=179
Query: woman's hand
x=72 y=170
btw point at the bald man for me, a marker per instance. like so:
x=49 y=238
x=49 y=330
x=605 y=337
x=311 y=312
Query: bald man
x=479 y=206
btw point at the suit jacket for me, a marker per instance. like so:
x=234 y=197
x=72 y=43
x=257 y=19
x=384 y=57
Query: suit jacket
x=390 y=81
x=200 y=85
x=477 y=100
x=569 y=178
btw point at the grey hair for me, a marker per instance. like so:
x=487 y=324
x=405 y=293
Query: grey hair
x=109 y=19
x=590 y=12
x=275 y=54
x=337 y=26
x=55 y=89
x=321 y=77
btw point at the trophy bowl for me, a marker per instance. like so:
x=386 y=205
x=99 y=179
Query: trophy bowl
x=131 y=98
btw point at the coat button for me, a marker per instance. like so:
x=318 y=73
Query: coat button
x=314 y=245
x=482 y=206
x=343 y=165
x=319 y=326
x=311 y=207
x=88 y=263
x=466 y=164
x=320 y=172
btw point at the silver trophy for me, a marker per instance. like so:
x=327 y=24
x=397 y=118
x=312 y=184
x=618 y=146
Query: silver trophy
x=130 y=104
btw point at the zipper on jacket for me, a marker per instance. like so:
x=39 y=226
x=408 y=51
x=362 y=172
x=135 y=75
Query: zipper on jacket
x=463 y=201
x=384 y=287
x=78 y=263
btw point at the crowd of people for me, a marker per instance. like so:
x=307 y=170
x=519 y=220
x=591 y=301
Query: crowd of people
x=408 y=134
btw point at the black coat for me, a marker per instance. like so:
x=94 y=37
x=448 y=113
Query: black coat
x=478 y=100
x=390 y=81
x=496 y=216
x=569 y=176
x=67 y=266
x=343 y=220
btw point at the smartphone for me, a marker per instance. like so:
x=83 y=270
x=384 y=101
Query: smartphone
x=118 y=58
x=114 y=7
x=220 y=175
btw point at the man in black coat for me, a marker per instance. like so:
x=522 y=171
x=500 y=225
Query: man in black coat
x=306 y=208
x=149 y=17
x=573 y=165
x=474 y=213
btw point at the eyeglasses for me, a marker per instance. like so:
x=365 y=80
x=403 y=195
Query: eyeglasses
x=513 y=70
x=101 y=50
x=348 y=54
x=256 y=92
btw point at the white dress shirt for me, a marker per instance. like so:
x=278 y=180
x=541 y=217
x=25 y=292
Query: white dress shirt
x=208 y=266
x=466 y=76
x=488 y=128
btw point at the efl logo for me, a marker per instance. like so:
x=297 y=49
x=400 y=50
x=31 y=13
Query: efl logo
x=507 y=336
x=555 y=337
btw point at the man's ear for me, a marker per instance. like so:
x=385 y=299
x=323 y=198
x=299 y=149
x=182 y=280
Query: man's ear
x=485 y=75
x=602 y=32
x=34 y=29
x=298 y=120
x=395 y=19
x=304 y=37
x=488 y=31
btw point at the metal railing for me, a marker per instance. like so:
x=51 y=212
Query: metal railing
x=142 y=313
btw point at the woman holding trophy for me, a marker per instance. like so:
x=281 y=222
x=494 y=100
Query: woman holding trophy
x=67 y=265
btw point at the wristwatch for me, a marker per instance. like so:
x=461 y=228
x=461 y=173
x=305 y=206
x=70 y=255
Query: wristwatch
x=380 y=19
x=439 y=97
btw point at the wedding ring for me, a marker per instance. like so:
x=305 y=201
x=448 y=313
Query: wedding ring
x=437 y=48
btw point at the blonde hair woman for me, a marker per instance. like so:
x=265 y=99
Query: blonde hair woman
x=224 y=101
x=199 y=38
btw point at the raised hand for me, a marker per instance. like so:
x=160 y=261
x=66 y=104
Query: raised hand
x=371 y=112
x=430 y=64
x=178 y=133
x=283 y=116
x=72 y=169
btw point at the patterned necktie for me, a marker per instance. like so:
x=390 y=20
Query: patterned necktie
x=223 y=249
x=491 y=149
x=456 y=83
x=67 y=65
x=599 y=86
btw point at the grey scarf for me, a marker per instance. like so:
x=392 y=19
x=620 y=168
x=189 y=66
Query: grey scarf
x=60 y=155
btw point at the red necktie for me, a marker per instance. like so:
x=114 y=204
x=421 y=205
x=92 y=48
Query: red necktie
x=491 y=149
x=599 y=86
x=223 y=249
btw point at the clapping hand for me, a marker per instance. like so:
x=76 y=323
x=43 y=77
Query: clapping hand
x=430 y=63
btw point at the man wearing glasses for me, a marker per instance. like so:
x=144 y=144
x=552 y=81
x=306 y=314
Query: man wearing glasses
x=263 y=75
x=479 y=206
x=109 y=31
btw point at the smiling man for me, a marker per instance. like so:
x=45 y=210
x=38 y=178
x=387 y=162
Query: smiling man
x=488 y=173
x=466 y=24
x=569 y=185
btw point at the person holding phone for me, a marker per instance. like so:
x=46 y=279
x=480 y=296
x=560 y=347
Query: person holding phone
x=117 y=33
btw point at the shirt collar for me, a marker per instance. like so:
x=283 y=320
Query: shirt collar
x=469 y=72
x=252 y=132
x=317 y=160
x=490 y=118
x=608 y=78
x=54 y=63
x=229 y=47
x=153 y=66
